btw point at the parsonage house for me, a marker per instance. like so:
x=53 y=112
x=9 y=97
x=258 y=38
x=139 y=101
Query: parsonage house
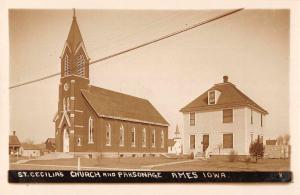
x=221 y=120
x=95 y=121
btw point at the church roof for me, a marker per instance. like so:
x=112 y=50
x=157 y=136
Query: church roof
x=230 y=96
x=111 y=104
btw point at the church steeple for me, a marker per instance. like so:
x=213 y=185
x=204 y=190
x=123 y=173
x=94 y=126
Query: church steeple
x=177 y=132
x=74 y=37
x=74 y=58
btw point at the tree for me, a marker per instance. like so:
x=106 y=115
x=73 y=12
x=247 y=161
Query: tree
x=286 y=139
x=286 y=142
x=257 y=149
x=29 y=141
x=280 y=140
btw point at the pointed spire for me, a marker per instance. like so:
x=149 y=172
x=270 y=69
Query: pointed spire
x=74 y=37
x=177 y=132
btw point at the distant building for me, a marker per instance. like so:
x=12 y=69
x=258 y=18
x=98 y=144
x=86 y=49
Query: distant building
x=14 y=144
x=271 y=142
x=175 y=144
x=95 y=121
x=221 y=120
x=50 y=144
x=32 y=150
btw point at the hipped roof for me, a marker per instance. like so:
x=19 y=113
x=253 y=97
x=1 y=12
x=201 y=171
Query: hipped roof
x=230 y=96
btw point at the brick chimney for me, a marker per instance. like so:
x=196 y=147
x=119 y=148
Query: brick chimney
x=225 y=79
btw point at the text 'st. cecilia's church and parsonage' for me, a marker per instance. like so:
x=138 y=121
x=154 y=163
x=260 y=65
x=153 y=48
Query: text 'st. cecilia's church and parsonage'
x=97 y=121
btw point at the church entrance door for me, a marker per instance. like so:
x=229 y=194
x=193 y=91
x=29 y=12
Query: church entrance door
x=66 y=140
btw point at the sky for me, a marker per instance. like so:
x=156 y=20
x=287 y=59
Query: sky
x=251 y=47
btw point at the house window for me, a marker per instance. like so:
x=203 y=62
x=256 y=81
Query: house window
x=227 y=115
x=133 y=137
x=91 y=130
x=67 y=65
x=261 y=120
x=80 y=65
x=153 y=138
x=228 y=140
x=162 y=139
x=192 y=118
x=144 y=138
x=108 y=135
x=121 y=135
x=251 y=119
x=192 y=142
x=211 y=97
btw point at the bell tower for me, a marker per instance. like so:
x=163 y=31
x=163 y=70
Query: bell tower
x=74 y=77
x=74 y=58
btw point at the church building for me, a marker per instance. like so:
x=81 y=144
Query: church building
x=95 y=121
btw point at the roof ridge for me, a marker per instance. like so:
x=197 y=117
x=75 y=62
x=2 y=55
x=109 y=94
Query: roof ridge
x=120 y=93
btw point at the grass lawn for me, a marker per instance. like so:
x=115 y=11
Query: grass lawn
x=214 y=165
x=13 y=159
x=123 y=163
x=158 y=164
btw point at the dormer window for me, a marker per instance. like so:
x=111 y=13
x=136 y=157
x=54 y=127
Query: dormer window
x=211 y=97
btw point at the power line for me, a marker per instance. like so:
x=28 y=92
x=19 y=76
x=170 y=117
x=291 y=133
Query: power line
x=166 y=36
x=139 y=46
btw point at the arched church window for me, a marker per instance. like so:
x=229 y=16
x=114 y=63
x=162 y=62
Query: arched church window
x=79 y=142
x=67 y=65
x=64 y=104
x=68 y=103
x=91 y=130
x=81 y=65
x=122 y=135
x=153 y=138
x=108 y=135
x=133 y=137
x=162 y=139
x=144 y=137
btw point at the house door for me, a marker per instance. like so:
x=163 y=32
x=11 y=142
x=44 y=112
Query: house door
x=205 y=142
x=66 y=142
